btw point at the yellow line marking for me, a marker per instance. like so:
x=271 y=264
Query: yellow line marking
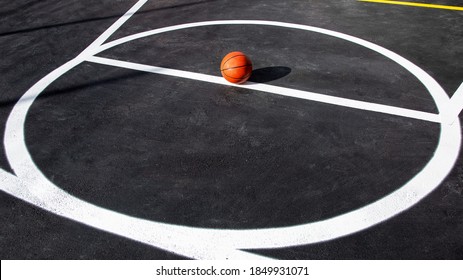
x=414 y=4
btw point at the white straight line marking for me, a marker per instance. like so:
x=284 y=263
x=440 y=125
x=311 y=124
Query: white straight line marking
x=44 y=194
x=206 y=243
x=455 y=106
x=345 y=102
x=113 y=28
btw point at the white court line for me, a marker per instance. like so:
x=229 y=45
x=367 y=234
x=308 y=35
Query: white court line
x=455 y=106
x=44 y=194
x=323 y=98
x=207 y=243
x=113 y=28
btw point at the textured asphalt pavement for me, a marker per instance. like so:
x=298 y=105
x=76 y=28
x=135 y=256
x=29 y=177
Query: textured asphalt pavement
x=196 y=154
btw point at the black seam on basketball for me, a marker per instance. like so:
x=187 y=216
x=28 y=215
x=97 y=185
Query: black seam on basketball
x=230 y=76
x=231 y=58
x=236 y=67
x=239 y=79
x=234 y=77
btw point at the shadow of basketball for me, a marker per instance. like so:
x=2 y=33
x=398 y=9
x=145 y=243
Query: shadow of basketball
x=268 y=74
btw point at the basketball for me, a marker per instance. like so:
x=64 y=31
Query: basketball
x=236 y=67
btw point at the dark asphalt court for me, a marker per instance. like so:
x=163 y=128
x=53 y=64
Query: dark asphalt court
x=192 y=153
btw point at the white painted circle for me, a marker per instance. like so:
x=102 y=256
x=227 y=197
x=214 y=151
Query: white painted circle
x=34 y=187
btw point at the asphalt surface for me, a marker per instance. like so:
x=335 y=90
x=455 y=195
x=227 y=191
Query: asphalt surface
x=190 y=153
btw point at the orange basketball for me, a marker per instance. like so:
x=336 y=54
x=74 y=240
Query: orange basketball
x=236 y=67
